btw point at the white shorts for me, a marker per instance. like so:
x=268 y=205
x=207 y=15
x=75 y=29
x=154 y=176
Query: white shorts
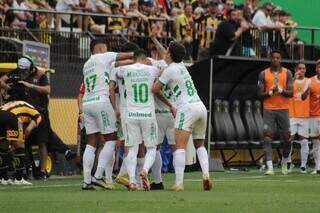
x=165 y=128
x=122 y=134
x=192 y=118
x=99 y=117
x=141 y=130
x=314 y=127
x=299 y=126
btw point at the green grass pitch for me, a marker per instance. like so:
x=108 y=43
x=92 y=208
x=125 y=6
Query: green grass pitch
x=232 y=192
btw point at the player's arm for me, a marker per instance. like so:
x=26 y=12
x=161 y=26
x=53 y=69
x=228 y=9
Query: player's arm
x=124 y=56
x=261 y=93
x=80 y=97
x=288 y=92
x=159 y=46
x=123 y=62
x=112 y=91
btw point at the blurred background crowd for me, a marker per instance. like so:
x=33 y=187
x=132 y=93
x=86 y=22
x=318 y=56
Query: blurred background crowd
x=193 y=22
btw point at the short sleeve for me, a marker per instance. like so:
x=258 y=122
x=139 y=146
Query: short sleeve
x=160 y=64
x=155 y=72
x=109 y=57
x=120 y=72
x=165 y=77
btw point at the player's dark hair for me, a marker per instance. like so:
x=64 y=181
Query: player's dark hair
x=275 y=51
x=140 y=53
x=94 y=42
x=177 y=51
x=129 y=47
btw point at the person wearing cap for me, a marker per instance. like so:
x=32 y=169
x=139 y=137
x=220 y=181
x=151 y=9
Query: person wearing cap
x=36 y=89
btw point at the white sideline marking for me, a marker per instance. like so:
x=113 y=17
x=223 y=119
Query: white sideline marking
x=38 y=187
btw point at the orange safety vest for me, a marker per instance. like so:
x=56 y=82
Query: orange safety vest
x=315 y=97
x=272 y=79
x=299 y=108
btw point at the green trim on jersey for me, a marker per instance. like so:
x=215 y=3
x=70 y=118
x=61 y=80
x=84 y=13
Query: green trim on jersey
x=181 y=120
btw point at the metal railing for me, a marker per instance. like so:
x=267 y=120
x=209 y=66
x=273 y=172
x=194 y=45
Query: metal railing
x=257 y=43
x=168 y=22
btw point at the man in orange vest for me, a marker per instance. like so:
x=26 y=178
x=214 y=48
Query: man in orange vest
x=299 y=114
x=275 y=87
x=315 y=117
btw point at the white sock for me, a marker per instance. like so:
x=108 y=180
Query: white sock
x=316 y=153
x=140 y=163
x=156 y=168
x=304 y=152
x=123 y=169
x=203 y=160
x=269 y=164
x=88 y=160
x=180 y=163
x=131 y=162
x=105 y=160
x=149 y=159
x=109 y=169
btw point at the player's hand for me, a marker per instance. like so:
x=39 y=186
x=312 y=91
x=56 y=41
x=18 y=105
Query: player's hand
x=26 y=84
x=173 y=110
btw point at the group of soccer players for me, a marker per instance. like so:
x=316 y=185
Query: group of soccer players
x=157 y=99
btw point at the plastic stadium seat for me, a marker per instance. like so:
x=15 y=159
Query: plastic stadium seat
x=230 y=133
x=258 y=118
x=218 y=129
x=250 y=124
x=238 y=124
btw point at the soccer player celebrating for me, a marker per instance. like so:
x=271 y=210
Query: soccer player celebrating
x=299 y=114
x=275 y=87
x=141 y=123
x=121 y=109
x=191 y=117
x=164 y=117
x=315 y=117
x=98 y=114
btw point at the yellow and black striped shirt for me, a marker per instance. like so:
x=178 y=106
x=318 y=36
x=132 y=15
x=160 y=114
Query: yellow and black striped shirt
x=24 y=112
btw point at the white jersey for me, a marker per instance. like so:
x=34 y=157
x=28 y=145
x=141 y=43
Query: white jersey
x=138 y=79
x=178 y=79
x=162 y=108
x=121 y=87
x=96 y=73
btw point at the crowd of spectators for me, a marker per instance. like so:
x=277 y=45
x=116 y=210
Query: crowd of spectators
x=192 y=22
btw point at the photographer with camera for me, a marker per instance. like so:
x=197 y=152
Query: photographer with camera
x=31 y=85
